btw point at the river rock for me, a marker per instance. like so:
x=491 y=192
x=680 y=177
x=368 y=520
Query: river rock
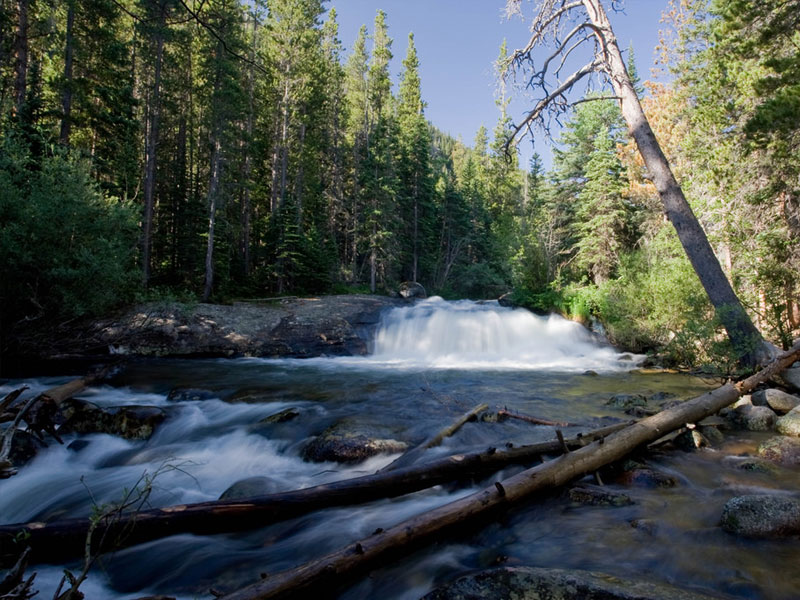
x=752 y=418
x=190 y=395
x=596 y=496
x=789 y=424
x=645 y=477
x=531 y=583
x=24 y=446
x=411 y=289
x=782 y=450
x=283 y=416
x=791 y=377
x=130 y=422
x=248 y=488
x=348 y=442
x=777 y=400
x=762 y=515
x=626 y=400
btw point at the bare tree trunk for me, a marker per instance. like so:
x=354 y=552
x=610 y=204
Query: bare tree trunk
x=151 y=148
x=66 y=94
x=247 y=209
x=744 y=336
x=213 y=189
x=21 y=51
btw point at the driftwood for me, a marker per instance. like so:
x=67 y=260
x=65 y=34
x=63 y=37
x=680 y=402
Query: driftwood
x=14 y=586
x=65 y=539
x=413 y=455
x=368 y=552
x=505 y=413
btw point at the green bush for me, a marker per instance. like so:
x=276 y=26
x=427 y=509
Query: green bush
x=65 y=249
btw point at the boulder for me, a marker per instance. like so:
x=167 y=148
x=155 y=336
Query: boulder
x=789 y=424
x=249 y=488
x=283 y=416
x=751 y=464
x=348 y=442
x=24 y=447
x=507 y=300
x=411 y=289
x=752 y=418
x=791 y=377
x=762 y=515
x=777 y=400
x=130 y=422
x=782 y=450
x=531 y=583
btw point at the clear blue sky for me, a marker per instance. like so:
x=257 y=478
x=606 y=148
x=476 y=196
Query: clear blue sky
x=458 y=42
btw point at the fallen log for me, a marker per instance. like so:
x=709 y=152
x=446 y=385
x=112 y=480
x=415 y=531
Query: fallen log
x=413 y=455
x=368 y=552
x=505 y=413
x=66 y=539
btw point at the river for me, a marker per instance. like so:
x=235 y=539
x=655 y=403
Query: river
x=430 y=363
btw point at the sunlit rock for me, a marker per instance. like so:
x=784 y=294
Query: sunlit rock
x=777 y=400
x=762 y=515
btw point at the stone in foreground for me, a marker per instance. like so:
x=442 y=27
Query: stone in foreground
x=530 y=583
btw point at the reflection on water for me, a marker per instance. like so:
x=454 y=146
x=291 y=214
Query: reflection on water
x=222 y=438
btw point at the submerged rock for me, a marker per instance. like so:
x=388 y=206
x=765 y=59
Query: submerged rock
x=130 y=422
x=190 y=395
x=762 y=515
x=779 y=401
x=348 y=442
x=248 y=488
x=24 y=446
x=644 y=477
x=287 y=414
x=531 y=583
x=597 y=496
x=626 y=400
x=782 y=450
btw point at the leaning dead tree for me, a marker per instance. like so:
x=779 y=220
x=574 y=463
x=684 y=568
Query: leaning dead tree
x=567 y=27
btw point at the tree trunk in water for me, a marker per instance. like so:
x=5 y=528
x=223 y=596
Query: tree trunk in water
x=21 y=52
x=369 y=552
x=66 y=94
x=744 y=336
x=66 y=539
x=150 y=153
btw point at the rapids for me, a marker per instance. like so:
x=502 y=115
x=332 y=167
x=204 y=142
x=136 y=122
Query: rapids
x=431 y=362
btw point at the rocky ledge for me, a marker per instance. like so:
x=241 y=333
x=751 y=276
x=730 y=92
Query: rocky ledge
x=289 y=327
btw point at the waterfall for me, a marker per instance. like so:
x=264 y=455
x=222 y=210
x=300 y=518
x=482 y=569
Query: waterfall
x=466 y=334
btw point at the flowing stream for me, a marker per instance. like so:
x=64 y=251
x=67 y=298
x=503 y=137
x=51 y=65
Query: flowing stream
x=431 y=362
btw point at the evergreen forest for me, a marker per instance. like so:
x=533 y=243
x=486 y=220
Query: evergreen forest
x=219 y=150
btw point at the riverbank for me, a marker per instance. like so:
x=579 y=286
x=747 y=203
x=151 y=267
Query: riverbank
x=282 y=328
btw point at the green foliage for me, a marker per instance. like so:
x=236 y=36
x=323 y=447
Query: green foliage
x=66 y=250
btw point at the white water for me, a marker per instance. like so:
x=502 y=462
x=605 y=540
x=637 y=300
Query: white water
x=469 y=335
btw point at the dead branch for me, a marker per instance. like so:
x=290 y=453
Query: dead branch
x=367 y=552
x=415 y=453
x=529 y=419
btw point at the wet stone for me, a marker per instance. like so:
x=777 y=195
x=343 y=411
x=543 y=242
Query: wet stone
x=789 y=424
x=24 y=446
x=597 y=496
x=762 y=515
x=649 y=478
x=752 y=465
x=130 y=422
x=283 y=416
x=347 y=442
x=626 y=400
x=752 y=418
x=530 y=583
x=190 y=395
x=782 y=450
x=249 y=488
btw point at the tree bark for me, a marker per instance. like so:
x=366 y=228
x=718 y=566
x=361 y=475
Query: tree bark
x=744 y=336
x=368 y=552
x=21 y=52
x=66 y=94
x=65 y=539
x=151 y=148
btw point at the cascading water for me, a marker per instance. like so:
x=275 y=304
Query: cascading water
x=432 y=361
x=466 y=334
